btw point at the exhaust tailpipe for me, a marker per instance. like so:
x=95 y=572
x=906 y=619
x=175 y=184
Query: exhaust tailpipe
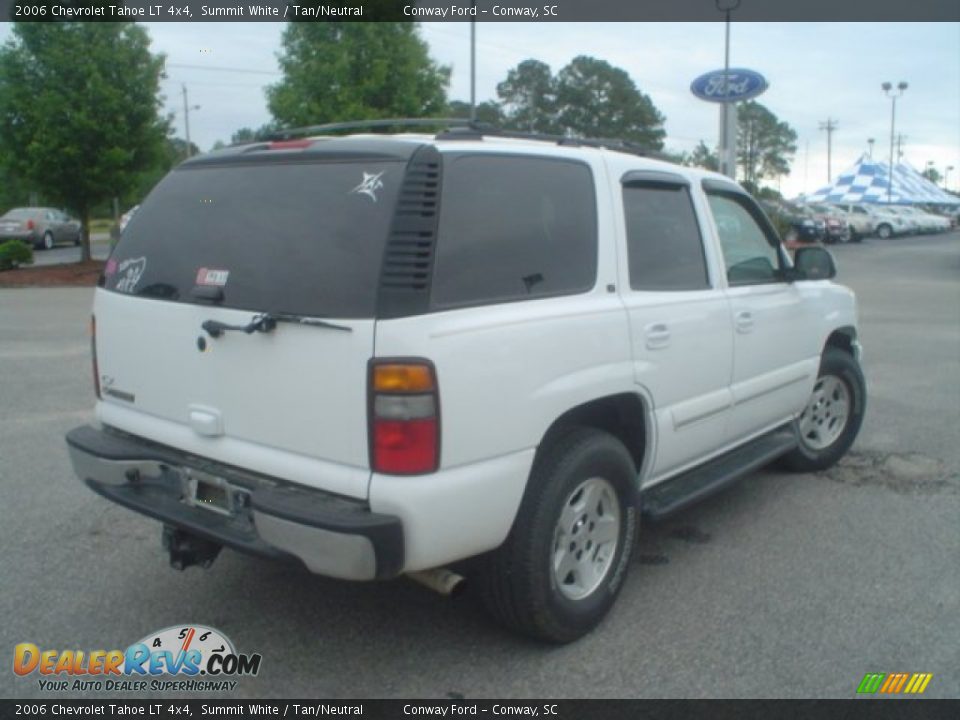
x=440 y=580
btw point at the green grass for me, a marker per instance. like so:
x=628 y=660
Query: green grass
x=101 y=225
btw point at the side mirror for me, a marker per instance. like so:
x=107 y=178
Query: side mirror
x=814 y=263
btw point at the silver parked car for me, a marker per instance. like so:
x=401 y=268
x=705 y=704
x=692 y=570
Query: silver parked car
x=39 y=226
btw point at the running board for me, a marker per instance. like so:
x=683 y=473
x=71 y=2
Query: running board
x=678 y=492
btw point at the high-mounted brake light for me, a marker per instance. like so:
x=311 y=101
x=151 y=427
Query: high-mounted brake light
x=93 y=355
x=404 y=417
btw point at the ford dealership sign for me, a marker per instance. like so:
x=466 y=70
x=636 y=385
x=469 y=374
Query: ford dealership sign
x=742 y=85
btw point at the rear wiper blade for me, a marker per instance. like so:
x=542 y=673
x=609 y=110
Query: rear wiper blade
x=267 y=322
x=302 y=320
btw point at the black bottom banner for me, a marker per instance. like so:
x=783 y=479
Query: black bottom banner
x=549 y=709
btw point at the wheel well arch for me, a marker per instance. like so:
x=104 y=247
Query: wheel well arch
x=623 y=415
x=842 y=338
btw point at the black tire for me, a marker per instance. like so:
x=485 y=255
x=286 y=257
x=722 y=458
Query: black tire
x=884 y=231
x=76 y=242
x=48 y=241
x=517 y=581
x=808 y=457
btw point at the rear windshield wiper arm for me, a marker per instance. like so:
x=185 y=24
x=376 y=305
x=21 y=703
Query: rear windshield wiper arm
x=266 y=322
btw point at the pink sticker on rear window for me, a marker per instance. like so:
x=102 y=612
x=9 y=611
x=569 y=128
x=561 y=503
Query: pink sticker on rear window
x=111 y=267
x=217 y=278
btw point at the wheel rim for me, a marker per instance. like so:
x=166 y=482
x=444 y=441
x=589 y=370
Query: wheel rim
x=826 y=414
x=48 y=241
x=586 y=538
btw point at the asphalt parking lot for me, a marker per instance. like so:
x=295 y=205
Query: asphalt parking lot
x=782 y=586
x=99 y=249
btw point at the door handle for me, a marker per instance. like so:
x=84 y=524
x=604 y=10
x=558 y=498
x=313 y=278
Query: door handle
x=744 y=321
x=657 y=336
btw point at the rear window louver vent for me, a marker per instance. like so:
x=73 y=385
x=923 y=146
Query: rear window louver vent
x=408 y=257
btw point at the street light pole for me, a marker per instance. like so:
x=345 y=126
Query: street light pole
x=887 y=88
x=946 y=174
x=870 y=142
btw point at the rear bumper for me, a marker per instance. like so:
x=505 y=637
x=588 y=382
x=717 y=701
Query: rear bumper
x=331 y=535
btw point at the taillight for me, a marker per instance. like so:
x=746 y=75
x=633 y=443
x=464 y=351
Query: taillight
x=30 y=225
x=93 y=355
x=404 y=417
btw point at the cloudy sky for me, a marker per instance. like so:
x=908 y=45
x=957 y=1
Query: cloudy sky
x=816 y=71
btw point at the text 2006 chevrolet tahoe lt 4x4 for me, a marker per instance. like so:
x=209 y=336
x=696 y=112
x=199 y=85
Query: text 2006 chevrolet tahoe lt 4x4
x=380 y=355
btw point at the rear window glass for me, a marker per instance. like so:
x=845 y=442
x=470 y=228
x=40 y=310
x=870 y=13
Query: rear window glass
x=513 y=228
x=304 y=238
x=663 y=239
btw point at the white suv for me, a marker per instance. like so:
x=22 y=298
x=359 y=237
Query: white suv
x=382 y=355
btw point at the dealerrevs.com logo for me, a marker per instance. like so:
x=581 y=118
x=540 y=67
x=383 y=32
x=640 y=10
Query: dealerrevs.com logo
x=177 y=658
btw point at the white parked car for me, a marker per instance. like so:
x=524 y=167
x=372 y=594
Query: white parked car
x=925 y=221
x=886 y=224
x=382 y=355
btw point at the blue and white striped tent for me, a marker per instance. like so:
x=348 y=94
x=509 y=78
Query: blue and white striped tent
x=867 y=182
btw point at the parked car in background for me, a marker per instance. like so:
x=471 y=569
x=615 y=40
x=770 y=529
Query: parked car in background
x=836 y=229
x=885 y=223
x=926 y=221
x=859 y=223
x=951 y=214
x=914 y=225
x=39 y=226
x=795 y=223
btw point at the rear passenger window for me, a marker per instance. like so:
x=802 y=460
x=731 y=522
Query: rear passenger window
x=664 y=246
x=514 y=228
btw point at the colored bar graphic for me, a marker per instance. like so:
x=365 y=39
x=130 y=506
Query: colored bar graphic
x=894 y=683
x=871 y=682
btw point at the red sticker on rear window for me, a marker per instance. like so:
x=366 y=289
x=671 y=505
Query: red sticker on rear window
x=208 y=276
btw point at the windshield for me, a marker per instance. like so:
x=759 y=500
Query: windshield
x=303 y=238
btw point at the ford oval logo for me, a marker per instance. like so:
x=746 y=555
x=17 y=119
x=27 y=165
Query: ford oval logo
x=742 y=85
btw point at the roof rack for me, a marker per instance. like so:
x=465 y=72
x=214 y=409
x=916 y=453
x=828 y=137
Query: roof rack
x=289 y=133
x=464 y=129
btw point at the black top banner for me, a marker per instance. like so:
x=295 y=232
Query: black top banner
x=480 y=10
x=491 y=709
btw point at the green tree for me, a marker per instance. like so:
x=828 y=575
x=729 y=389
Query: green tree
x=12 y=191
x=335 y=71
x=79 y=111
x=765 y=144
x=529 y=98
x=932 y=175
x=488 y=112
x=595 y=99
x=704 y=157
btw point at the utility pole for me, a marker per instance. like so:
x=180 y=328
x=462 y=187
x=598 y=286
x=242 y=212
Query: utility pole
x=186 y=118
x=829 y=126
